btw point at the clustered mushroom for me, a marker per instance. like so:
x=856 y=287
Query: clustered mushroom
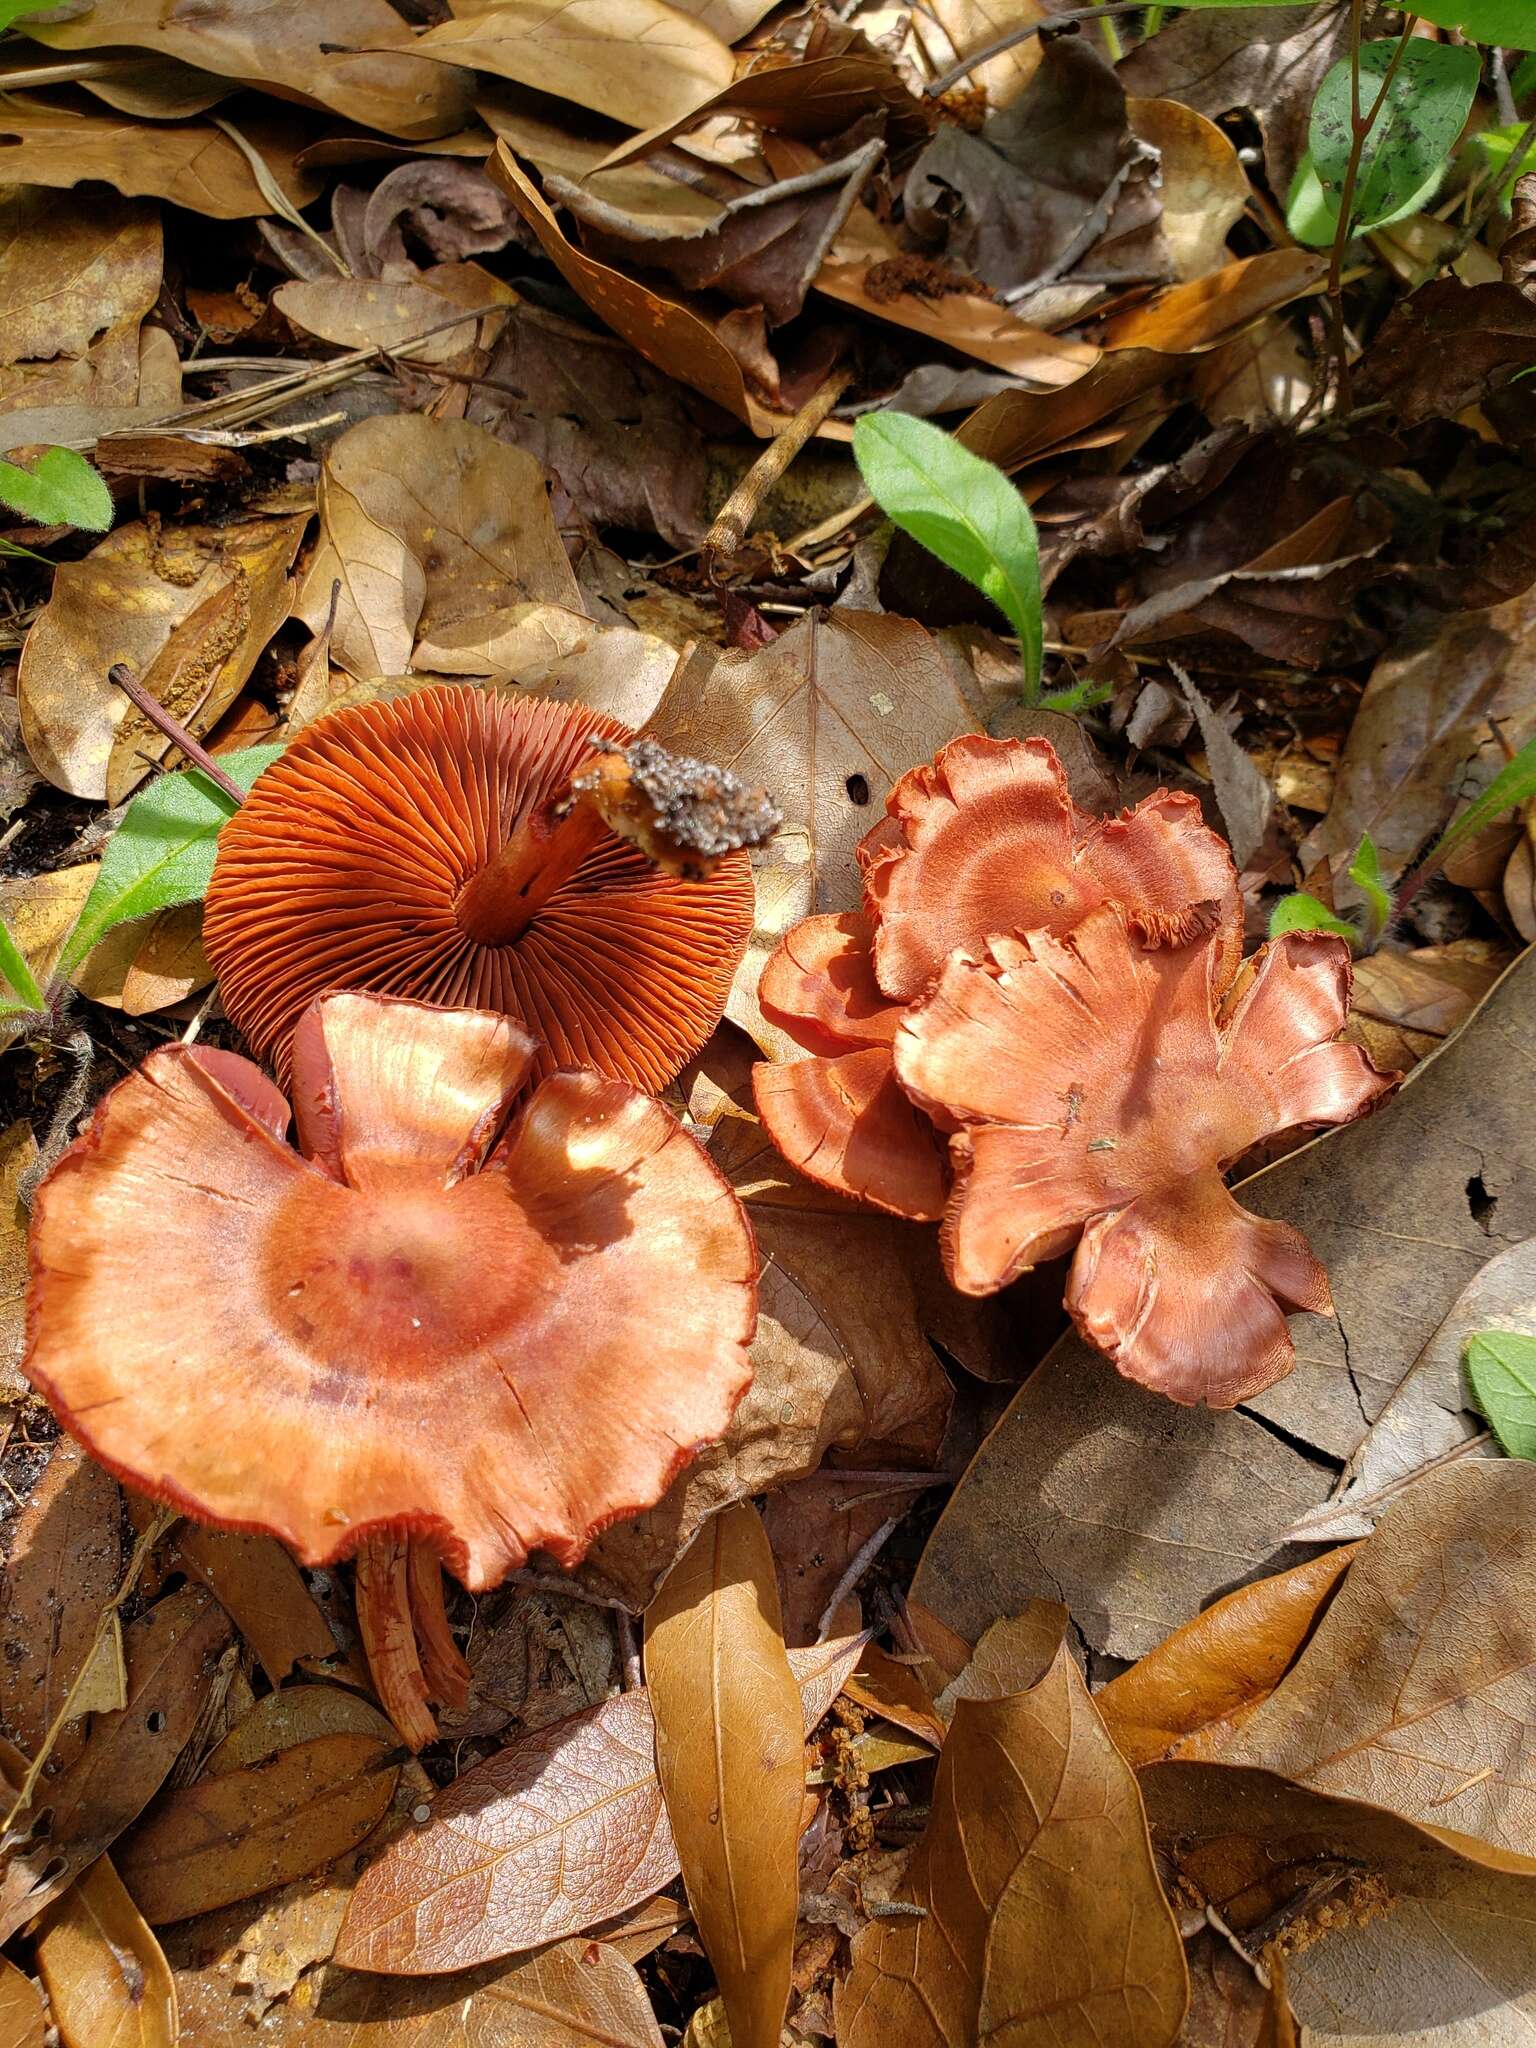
x=577 y=1284
x=1038 y=1030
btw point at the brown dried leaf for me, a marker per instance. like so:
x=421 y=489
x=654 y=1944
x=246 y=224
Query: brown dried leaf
x=18 y=1150
x=1187 y=1697
x=239 y=1832
x=825 y=718
x=972 y=24
x=1447 y=347
x=191 y=164
x=62 y=1563
x=1418 y=1691
x=1044 y=1920
x=1405 y=1005
x=353 y=71
x=383 y=312
x=128 y=601
x=262 y=1590
x=574 y=1995
x=71 y=270
x=108 y=1982
x=433 y=529
x=561 y=1830
x=23 y=2022
x=728 y=1757
x=1205 y=189
x=171 y=1651
x=641 y=62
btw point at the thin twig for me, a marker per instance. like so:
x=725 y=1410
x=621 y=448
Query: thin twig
x=177 y=734
x=1015 y=36
x=730 y=525
x=864 y=1557
x=629 y=1650
x=1360 y=128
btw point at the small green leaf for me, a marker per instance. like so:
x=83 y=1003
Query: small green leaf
x=1365 y=873
x=1514 y=784
x=1415 y=129
x=13 y=10
x=1312 y=215
x=962 y=509
x=14 y=967
x=1501 y=1364
x=1509 y=23
x=162 y=853
x=60 y=489
x=1303 y=913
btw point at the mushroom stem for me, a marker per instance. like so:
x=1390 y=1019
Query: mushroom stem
x=445 y=1671
x=497 y=905
x=382 y=1590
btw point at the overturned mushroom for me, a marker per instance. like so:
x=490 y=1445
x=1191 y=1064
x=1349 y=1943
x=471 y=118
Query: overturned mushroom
x=1096 y=1087
x=511 y=854
x=985 y=839
x=422 y=1328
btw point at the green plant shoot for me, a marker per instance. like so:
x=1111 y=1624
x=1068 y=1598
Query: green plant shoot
x=1501 y=1364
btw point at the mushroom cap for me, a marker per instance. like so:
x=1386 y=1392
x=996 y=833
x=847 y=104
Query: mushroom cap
x=985 y=839
x=499 y=1349
x=344 y=866
x=1099 y=1090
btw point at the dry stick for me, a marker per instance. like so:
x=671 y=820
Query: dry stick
x=729 y=530
x=178 y=735
x=1359 y=129
x=1050 y=26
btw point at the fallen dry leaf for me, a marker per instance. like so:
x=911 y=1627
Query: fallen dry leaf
x=1418 y=1689
x=385 y=312
x=826 y=718
x=353 y=72
x=128 y=601
x=170 y=1652
x=18 y=1151
x=432 y=529
x=728 y=1757
x=641 y=62
x=72 y=269
x=108 y=1982
x=971 y=24
x=1447 y=347
x=1043 y=1918
x=239 y=1832
x=23 y=2022
x=561 y=1830
x=262 y=1590
x=1405 y=1005
x=147 y=965
x=193 y=164
x=1204 y=187
x=63 y=1558
x=1056 y=1503
x=1187 y=1697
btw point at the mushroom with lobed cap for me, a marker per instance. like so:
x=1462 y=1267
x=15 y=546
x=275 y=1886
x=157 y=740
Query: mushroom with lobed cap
x=984 y=839
x=1096 y=1088
x=502 y=852
x=428 y=1331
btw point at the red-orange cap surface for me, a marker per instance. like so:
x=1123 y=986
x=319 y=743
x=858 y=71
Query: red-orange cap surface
x=1099 y=1090
x=985 y=839
x=345 y=865
x=502 y=1353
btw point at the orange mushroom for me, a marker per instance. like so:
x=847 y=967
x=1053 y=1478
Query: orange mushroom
x=1096 y=1088
x=466 y=848
x=417 y=1326
x=985 y=839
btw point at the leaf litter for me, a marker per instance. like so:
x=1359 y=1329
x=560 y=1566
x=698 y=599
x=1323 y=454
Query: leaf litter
x=627 y=354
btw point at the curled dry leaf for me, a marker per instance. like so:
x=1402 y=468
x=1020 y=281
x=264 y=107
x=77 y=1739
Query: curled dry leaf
x=728 y=1757
x=1043 y=1917
x=262 y=1591
x=108 y=1982
x=1187 y=1697
x=239 y=1832
x=63 y=1558
x=23 y=2021
x=131 y=600
x=1418 y=1691
x=353 y=72
x=170 y=1653
x=561 y=1830
x=371 y=312
x=432 y=528
x=641 y=62
x=1204 y=188
x=193 y=164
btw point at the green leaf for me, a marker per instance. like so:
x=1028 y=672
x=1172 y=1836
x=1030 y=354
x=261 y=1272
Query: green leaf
x=962 y=509
x=1497 y=147
x=1415 y=129
x=1501 y=1364
x=60 y=489
x=1302 y=913
x=13 y=10
x=1312 y=215
x=162 y=853
x=1365 y=873
x=14 y=967
x=1514 y=784
x=1511 y=23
